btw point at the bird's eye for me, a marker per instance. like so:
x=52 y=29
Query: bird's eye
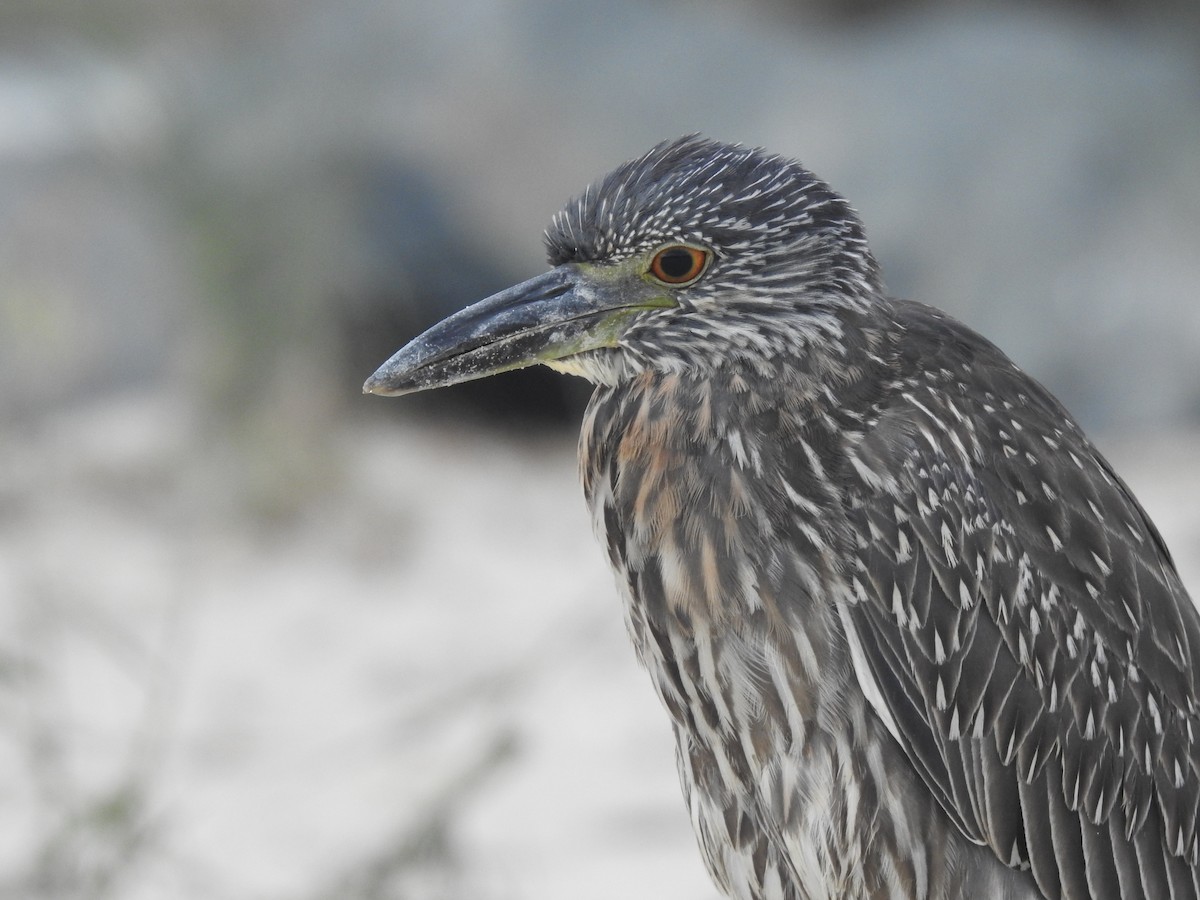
x=679 y=264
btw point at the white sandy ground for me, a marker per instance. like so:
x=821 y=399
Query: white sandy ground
x=417 y=686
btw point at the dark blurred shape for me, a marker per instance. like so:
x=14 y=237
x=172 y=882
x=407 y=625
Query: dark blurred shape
x=1155 y=13
x=420 y=266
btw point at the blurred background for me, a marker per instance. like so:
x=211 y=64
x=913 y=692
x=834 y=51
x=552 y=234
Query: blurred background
x=262 y=637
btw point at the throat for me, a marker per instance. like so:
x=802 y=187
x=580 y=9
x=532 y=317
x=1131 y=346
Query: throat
x=604 y=366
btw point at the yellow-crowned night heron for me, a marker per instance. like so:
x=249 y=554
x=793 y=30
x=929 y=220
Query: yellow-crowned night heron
x=916 y=637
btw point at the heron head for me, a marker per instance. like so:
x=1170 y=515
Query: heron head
x=689 y=256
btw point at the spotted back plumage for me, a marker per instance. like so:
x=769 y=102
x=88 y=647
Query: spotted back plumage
x=1027 y=627
x=916 y=638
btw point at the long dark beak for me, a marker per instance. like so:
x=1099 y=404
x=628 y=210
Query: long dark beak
x=546 y=318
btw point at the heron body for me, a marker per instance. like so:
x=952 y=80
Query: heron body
x=915 y=636
x=795 y=786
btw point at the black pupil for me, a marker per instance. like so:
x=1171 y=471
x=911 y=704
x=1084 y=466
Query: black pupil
x=676 y=264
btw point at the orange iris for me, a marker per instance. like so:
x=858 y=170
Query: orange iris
x=678 y=264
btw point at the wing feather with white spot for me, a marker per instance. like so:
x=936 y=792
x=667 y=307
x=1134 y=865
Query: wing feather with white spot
x=1026 y=629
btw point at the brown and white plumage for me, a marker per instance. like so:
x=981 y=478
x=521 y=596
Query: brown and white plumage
x=915 y=636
